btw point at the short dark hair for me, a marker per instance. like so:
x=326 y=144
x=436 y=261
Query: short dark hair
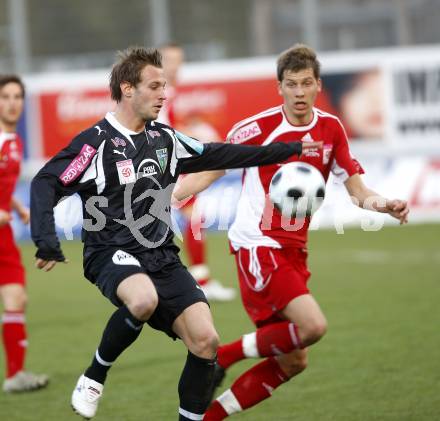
x=5 y=79
x=129 y=66
x=296 y=58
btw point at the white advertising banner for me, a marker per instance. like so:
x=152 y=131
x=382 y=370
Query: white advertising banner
x=415 y=109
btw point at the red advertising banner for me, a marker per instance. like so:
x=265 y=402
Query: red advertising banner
x=208 y=110
x=222 y=104
x=64 y=114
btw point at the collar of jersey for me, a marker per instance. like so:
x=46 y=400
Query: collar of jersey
x=304 y=127
x=127 y=133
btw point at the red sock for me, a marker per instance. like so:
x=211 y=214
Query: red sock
x=194 y=241
x=215 y=412
x=195 y=247
x=258 y=382
x=230 y=353
x=250 y=388
x=277 y=338
x=14 y=340
x=267 y=341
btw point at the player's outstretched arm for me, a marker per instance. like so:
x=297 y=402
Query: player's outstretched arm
x=368 y=199
x=195 y=183
x=223 y=156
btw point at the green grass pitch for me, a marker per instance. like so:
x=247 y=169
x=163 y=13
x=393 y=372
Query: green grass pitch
x=380 y=359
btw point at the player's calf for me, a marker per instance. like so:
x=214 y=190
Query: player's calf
x=252 y=387
x=293 y=363
x=195 y=387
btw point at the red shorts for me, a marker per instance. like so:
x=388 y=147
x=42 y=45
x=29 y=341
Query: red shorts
x=11 y=269
x=269 y=279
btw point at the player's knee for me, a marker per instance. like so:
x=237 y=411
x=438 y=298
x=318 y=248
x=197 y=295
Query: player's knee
x=22 y=301
x=206 y=344
x=314 y=331
x=143 y=307
x=16 y=300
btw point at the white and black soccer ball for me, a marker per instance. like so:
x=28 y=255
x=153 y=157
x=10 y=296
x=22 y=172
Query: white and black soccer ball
x=297 y=189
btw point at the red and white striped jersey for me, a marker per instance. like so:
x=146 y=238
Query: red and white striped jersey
x=257 y=223
x=10 y=159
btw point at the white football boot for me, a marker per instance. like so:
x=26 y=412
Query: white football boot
x=215 y=291
x=25 y=381
x=85 y=397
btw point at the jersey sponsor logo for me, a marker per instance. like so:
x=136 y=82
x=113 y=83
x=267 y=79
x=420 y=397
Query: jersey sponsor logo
x=126 y=171
x=78 y=165
x=148 y=171
x=147 y=168
x=326 y=153
x=123 y=258
x=162 y=157
x=311 y=153
x=246 y=132
x=117 y=141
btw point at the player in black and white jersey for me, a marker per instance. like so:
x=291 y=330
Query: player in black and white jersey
x=124 y=169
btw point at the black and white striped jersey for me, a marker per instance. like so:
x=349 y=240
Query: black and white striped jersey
x=125 y=180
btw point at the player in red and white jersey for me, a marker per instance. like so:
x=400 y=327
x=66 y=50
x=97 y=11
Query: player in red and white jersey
x=256 y=223
x=272 y=258
x=12 y=276
x=193 y=235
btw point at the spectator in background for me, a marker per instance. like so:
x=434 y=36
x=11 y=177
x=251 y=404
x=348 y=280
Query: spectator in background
x=12 y=276
x=193 y=236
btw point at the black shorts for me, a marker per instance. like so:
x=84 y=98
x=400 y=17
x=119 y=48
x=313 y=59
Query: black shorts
x=175 y=286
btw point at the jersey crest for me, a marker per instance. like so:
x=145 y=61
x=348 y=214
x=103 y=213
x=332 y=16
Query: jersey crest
x=162 y=157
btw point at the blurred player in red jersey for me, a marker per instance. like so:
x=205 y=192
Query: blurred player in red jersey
x=272 y=261
x=193 y=235
x=12 y=276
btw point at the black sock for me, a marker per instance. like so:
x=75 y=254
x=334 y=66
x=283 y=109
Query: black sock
x=195 y=386
x=121 y=331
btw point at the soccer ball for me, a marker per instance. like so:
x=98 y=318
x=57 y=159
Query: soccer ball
x=297 y=189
